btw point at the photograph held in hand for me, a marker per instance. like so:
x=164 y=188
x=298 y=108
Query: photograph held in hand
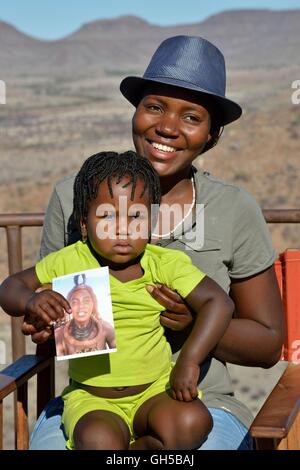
x=89 y=329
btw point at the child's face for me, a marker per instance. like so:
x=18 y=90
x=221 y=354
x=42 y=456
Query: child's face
x=118 y=228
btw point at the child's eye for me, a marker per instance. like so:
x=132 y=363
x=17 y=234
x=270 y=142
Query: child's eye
x=141 y=215
x=107 y=216
x=136 y=215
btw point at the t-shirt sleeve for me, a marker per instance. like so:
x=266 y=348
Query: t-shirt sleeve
x=46 y=268
x=252 y=249
x=53 y=234
x=178 y=272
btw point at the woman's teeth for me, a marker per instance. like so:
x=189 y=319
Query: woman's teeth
x=163 y=148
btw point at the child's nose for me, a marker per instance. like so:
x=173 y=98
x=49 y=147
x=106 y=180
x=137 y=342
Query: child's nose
x=122 y=226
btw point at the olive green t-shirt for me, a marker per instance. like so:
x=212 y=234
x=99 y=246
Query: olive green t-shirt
x=236 y=244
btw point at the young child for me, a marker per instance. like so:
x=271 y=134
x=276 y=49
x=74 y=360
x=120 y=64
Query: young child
x=134 y=398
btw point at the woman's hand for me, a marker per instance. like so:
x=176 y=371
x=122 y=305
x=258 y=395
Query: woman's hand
x=183 y=380
x=38 y=335
x=177 y=315
x=177 y=318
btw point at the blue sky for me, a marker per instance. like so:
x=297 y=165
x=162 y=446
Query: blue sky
x=53 y=19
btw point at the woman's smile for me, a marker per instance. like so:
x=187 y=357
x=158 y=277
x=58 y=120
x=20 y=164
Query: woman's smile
x=161 y=151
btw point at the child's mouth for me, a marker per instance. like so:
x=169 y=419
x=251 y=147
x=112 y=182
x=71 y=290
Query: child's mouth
x=122 y=248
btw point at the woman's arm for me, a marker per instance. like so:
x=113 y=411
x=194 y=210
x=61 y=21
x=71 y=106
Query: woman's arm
x=258 y=311
x=53 y=233
x=255 y=334
x=213 y=310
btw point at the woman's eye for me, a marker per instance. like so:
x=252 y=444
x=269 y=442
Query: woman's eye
x=153 y=107
x=192 y=118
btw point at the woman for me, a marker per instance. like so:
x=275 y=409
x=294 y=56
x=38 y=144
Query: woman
x=86 y=331
x=180 y=109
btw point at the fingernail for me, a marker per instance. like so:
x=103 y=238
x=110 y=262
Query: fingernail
x=149 y=288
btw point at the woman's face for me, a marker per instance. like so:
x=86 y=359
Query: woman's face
x=170 y=127
x=82 y=306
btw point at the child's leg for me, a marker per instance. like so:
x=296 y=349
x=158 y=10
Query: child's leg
x=99 y=430
x=165 y=423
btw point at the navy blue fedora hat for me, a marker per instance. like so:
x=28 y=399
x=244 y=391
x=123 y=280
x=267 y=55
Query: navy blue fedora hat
x=188 y=62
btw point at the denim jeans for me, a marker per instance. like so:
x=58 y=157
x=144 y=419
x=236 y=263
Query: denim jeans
x=48 y=432
x=228 y=432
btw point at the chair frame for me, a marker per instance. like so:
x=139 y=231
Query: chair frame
x=277 y=425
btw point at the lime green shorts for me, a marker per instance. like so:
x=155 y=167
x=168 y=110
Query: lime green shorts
x=78 y=402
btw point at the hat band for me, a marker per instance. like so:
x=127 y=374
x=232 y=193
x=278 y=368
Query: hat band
x=190 y=84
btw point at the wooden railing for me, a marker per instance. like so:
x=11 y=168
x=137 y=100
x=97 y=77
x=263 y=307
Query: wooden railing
x=43 y=364
x=13 y=224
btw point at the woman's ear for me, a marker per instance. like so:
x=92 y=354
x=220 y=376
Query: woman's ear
x=83 y=231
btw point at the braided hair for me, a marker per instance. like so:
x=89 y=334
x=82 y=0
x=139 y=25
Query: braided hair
x=108 y=166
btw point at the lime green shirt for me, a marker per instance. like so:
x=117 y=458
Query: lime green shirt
x=143 y=353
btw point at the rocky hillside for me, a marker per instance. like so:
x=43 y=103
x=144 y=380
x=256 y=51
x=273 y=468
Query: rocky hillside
x=63 y=104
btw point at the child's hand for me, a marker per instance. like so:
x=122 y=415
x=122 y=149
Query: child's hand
x=46 y=307
x=183 y=380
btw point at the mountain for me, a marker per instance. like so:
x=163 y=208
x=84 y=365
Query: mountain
x=249 y=39
x=64 y=104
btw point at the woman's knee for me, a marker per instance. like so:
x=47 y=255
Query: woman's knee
x=101 y=430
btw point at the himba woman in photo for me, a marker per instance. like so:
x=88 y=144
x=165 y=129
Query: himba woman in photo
x=84 y=330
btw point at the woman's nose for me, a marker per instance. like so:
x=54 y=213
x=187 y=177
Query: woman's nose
x=168 y=125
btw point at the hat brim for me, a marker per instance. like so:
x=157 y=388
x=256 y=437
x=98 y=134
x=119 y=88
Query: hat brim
x=132 y=88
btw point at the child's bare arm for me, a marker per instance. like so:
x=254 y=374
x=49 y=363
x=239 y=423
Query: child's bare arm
x=214 y=310
x=18 y=297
